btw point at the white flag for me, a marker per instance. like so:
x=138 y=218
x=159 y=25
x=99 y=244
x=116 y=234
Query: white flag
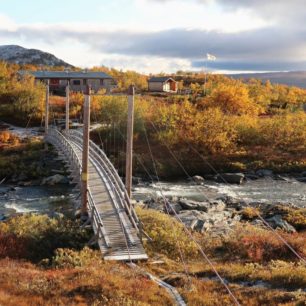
x=211 y=57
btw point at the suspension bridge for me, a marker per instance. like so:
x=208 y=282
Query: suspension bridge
x=105 y=200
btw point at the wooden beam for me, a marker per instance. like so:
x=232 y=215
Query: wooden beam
x=47 y=108
x=67 y=105
x=85 y=153
x=129 y=147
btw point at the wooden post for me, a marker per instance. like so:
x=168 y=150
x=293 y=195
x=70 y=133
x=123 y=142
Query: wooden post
x=47 y=108
x=47 y=113
x=85 y=153
x=129 y=147
x=67 y=106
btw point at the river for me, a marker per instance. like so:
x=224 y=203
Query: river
x=39 y=199
x=46 y=199
x=264 y=190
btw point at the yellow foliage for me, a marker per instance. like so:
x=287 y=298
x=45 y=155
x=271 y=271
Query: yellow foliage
x=168 y=235
x=232 y=99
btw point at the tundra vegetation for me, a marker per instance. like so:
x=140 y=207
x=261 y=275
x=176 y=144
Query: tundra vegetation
x=45 y=261
x=235 y=125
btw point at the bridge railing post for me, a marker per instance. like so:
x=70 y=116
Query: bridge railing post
x=67 y=106
x=47 y=112
x=85 y=153
x=129 y=147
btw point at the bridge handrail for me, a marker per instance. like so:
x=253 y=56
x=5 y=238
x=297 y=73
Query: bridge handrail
x=115 y=196
x=117 y=180
x=96 y=218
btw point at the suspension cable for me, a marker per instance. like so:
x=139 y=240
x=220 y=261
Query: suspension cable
x=168 y=212
x=197 y=243
x=259 y=216
x=280 y=237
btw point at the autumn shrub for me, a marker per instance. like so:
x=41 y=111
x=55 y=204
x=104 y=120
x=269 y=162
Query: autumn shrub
x=277 y=273
x=13 y=246
x=67 y=258
x=250 y=213
x=232 y=99
x=297 y=218
x=287 y=132
x=167 y=234
x=45 y=235
x=22 y=101
x=260 y=245
x=287 y=274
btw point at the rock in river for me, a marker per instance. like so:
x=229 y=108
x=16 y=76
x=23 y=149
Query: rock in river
x=264 y=172
x=55 y=179
x=197 y=179
x=231 y=178
x=202 y=206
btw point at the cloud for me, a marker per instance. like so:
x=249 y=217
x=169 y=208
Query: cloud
x=280 y=46
x=268 y=45
x=292 y=12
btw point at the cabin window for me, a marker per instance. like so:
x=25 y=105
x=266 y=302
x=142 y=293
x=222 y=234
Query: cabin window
x=84 y=82
x=101 y=82
x=76 y=82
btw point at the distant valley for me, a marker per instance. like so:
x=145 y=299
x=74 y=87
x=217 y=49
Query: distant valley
x=291 y=78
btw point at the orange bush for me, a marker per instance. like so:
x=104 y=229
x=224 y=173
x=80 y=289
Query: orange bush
x=13 y=246
x=259 y=245
x=5 y=136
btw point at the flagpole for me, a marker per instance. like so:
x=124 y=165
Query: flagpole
x=205 y=76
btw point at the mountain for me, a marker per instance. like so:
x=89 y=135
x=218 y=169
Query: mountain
x=291 y=78
x=19 y=55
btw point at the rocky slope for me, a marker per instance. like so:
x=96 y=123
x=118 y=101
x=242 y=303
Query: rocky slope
x=20 y=55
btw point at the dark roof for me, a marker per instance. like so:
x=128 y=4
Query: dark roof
x=66 y=74
x=160 y=79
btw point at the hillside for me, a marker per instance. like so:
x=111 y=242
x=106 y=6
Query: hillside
x=291 y=78
x=19 y=55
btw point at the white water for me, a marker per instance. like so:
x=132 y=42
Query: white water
x=263 y=190
x=34 y=199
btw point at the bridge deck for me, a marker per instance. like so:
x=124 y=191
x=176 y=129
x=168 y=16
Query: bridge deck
x=111 y=220
x=121 y=246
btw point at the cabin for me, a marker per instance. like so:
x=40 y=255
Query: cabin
x=162 y=84
x=77 y=80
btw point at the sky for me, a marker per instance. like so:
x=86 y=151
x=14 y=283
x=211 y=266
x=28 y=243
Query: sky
x=153 y=36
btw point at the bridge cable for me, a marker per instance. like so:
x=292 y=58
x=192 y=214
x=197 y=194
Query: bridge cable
x=280 y=237
x=201 y=249
x=259 y=216
x=166 y=204
x=166 y=209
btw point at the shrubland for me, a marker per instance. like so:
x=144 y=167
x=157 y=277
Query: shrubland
x=23 y=157
x=46 y=261
x=235 y=125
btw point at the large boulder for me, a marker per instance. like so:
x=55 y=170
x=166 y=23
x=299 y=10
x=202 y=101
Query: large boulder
x=302 y=179
x=278 y=222
x=264 y=173
x=233 y=203
x=202 y=206
x=197 y=179
x=194 y=205
x=55 y=179
x=230 y=178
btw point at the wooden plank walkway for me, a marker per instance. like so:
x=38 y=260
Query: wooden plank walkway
x=116 y=233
